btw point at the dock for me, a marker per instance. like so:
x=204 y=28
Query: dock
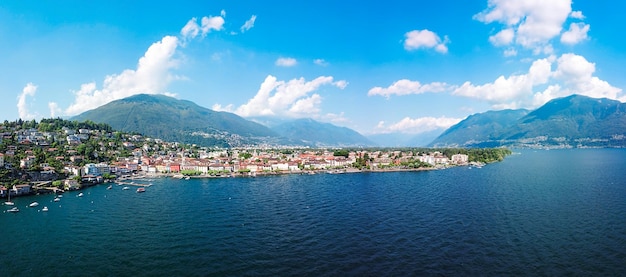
x=133 y=184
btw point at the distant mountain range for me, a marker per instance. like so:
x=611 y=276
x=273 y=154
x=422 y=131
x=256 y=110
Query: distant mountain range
x=405 y=140
x=310 y=132
x=171 y=119
x=573 y=121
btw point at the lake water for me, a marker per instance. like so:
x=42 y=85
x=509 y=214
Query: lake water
x=557 y=212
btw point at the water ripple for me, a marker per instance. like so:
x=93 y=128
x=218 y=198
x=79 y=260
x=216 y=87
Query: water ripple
x=528 y=215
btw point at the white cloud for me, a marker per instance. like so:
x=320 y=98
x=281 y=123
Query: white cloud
x=219 y=108
x=335 y=118
x=55 y=110
x=404 y=87
x=286 y=98
x=151 y=76
x=286 y=62
x=573 y=75
x=576 y=74
x=307 y=105
x=510 y=52
x=320 y=62
x=192 y=29
x=417 y=39
x=417 y=125
x=342 y=84
x=577 y=32
x=509 y=90
x=223 y=13
x=249 y=24
x=535 y=22
x=577 y=15
x=504 y=37
x=22 y=107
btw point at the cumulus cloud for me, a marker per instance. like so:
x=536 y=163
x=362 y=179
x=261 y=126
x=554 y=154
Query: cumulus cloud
x=531 y=23
x=293 y=98
x=577 y=15
x=192 y=29
x=417 y=125
x=248 y=24
x=573 y=75
x=577 y=32
x=286 y=62
x=417 y=39
x=55 y=110
x=22 y=107
x=511 y=52
x=505 y=89
x=151 y=76
x=404 y=87
x=320 y=62
x=504 y=37
x=220 y=108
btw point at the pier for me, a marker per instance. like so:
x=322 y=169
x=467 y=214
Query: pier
x=132 y=184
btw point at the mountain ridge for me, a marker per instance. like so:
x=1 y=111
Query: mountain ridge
x=572 y=121
x=171 y=119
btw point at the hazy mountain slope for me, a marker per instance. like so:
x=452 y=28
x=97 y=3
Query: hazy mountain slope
x=480 y=127
x=573 y=121
x=314 y=133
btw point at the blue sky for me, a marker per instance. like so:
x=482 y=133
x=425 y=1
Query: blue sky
x=376 y=67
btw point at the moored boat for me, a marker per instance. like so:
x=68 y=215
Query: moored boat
x=141 y=190
x=8 y=202
x=45 y=209
x=13 y=210
x=34 y=204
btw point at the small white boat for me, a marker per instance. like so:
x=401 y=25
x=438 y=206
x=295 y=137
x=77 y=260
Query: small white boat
x=80 y=194
x=186 y=178
x=125 y=188
x=13 y=210
x=56 y=199
x=110 y=187
x=45 y=209
x=9 y=203
x=34 y=204
x=60 y=195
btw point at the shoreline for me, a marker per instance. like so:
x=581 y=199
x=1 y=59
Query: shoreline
x=143 y=175
x=274 y=173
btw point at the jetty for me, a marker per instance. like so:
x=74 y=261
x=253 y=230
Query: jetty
x=133 y=184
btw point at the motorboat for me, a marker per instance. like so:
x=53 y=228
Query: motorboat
x=13 y=210
x=45 y=209
x=125 y=188
x=34 y=204
x=110 y=187
x=56 y=199
x=8 y=202
x=141 y=190
x=80 y=194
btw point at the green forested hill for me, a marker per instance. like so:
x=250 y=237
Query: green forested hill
x=171 y=119
x=573 y=121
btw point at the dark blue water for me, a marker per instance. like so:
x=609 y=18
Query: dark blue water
x=558 y=212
